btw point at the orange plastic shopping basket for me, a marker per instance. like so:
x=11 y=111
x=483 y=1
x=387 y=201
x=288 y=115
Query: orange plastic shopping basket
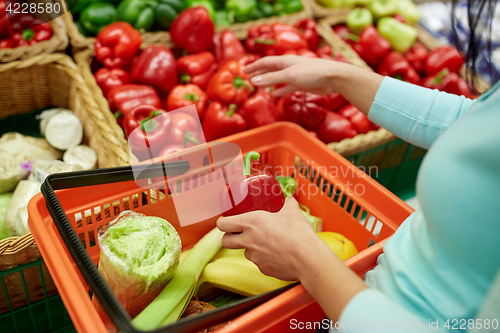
x=348 y=200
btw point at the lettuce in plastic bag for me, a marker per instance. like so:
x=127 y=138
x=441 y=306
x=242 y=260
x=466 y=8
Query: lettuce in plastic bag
x=139 y=255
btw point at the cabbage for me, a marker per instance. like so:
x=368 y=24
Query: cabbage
x=139 y=255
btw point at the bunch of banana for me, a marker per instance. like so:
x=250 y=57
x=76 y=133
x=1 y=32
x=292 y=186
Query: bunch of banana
x=231 y=271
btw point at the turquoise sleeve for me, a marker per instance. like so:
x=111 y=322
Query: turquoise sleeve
x=372 y=311
x=415 y=114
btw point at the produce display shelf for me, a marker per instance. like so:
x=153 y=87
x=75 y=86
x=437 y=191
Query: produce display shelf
x=45 y=315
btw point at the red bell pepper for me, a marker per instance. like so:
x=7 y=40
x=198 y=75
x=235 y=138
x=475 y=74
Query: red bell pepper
x=260 y=109
x=280 y=38
x=366 y=55
x=117 y=44
x=28 y=30
x=155 y=125
x=451 y=83
x=345 y=34
x=197 y=68
x=258 y=32
x=308 y=28
x=373 y=42
x=253 y=192
x=396 y=65
x=326 y=52
x=227 y=46
x=6 y=44
x=221 y=120
x=400 y=18
x=358 y=120
x=302 y=53
x=305 y=109
x=171 y=149
x=455 y=84
x=335 y=128
x=193 y=30
x=107 y=79
x=181 y=96
x=185 y=130
x=229 y=84
x=444 y=57
x=124 y=98
x=417 y=56
x=155 y=67
x=243 y=59
x=434 y=81
x=333 y=101
x=6 y=18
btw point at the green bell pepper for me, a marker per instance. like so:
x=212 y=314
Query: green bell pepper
x=381 y=8
x=96 y=16
x=400 y=35
x=333 y=3
x=209 y=5
x=76 y=6
x=266 y=9
x=136 y=12
x=242 y=9
x=80 y=29
x=166 y=11
x=358 y=19
x=409 y=10
x=288 y=6
x=223 y=18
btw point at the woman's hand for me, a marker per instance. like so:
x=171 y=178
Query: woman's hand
x=278 y=243
x=299 y=73
x=317 y=76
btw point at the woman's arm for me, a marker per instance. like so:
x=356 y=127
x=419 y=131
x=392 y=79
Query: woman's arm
x=415 y=114
x=285 y=246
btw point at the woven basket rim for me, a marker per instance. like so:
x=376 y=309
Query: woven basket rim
x=58 y=42
x=320 y=11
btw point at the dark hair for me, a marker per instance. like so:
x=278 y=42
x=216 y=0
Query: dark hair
x=480 y=15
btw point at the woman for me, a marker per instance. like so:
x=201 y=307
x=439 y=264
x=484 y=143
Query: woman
x=440 y=263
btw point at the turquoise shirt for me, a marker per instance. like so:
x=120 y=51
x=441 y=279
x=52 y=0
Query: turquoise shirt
x=441 y=262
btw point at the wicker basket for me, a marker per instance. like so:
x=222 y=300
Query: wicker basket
x=320 y=11
x=58 y=42
x=34 y=83
x=79 y=42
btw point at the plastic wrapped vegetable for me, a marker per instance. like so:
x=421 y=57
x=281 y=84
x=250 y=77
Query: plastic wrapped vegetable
x=139 y=255
x=288 y=185
x=43 y=167
x=15 y=149
x=22 y=195
x=4 y=203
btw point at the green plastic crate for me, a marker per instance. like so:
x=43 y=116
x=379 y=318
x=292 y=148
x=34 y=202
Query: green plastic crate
x=46 y=315
x=395 y=165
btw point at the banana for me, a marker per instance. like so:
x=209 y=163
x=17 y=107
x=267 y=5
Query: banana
x=239 y=275
x=224 y=253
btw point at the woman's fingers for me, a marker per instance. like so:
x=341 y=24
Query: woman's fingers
x=233 y=241
x=271 y=79
x=267 y=64
x=232 y=224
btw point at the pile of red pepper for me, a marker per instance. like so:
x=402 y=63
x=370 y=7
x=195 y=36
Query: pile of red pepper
x=437 y=69
x=143 y=84
x=20 y=29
